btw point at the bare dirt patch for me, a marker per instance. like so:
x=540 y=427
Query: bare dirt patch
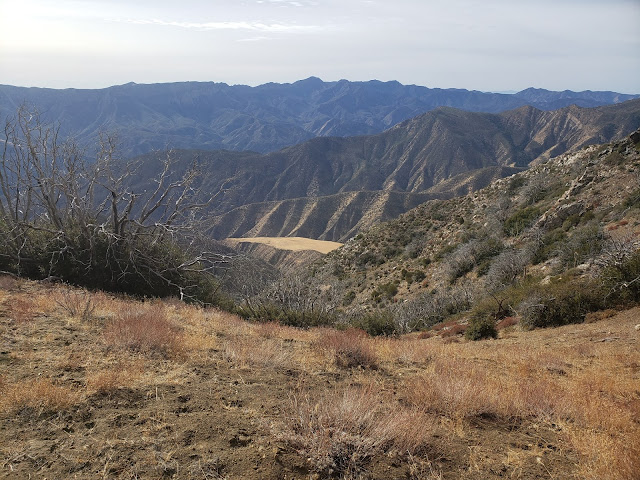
x=295 y=244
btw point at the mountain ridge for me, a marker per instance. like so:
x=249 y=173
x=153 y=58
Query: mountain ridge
x=361 y=180
x=265 y=118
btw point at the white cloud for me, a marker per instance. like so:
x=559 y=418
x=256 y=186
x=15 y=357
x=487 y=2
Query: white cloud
x=205 y=26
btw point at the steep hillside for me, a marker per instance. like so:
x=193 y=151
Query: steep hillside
x=558 y=225
x=264 y=118
x=329 y=188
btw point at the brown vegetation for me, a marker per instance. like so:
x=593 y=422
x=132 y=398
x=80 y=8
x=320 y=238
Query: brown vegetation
x=166 y=390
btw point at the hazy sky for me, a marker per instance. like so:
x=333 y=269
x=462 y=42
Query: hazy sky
x=490 y=45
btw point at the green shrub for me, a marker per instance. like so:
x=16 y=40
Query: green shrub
x=272 y=312
x=548 y=245
x=585 y=244
x=633 y=200
x=481 y=327
x=385 y=290
x=375 y=323
x=560 y=303
x=348 y=298
x=523 y=218
x=515 y=183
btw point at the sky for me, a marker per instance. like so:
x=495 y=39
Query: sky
x=488 y=45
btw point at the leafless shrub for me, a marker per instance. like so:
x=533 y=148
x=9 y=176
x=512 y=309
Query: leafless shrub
x=617 y=249
x=506 y=268
x=535 y=189
x=62 y=216
x=431 y=308
x=76 y=303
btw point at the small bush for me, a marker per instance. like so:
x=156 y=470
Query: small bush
x=348 y=298
x=350 y=347
x=481 y=327
x=560 y=303
x=76 y=303
x=375 y=323
x=516 y=223
x=506 y=322
x=385 y=291
x=457 y=329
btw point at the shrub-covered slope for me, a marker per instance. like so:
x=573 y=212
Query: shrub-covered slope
x=566 y=229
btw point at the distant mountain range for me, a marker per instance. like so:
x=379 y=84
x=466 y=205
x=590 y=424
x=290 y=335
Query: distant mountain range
x=264 y=118
x=330 y=188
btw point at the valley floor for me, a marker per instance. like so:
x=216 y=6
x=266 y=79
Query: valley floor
x=93 y=386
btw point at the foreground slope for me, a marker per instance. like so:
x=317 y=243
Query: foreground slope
x=126 y=389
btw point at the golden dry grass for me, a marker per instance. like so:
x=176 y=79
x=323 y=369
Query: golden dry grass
x=38 y=395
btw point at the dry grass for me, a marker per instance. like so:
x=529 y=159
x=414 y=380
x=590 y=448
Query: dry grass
x=8 y=283
x=39 y=396
x=110 y=379
x=340 y=432
x=144 y=328
x=21 y=309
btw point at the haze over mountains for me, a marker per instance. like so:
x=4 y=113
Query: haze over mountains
x=330 y=188
x=264 y=118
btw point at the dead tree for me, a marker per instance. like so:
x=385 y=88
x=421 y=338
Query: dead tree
x=64 y=216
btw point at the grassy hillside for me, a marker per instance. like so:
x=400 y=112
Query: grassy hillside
x=96 y=386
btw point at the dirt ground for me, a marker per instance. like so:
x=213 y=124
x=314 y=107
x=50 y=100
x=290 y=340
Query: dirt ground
x=221 y=398
x=295 y=244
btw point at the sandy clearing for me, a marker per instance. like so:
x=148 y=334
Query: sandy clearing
x=290 y=243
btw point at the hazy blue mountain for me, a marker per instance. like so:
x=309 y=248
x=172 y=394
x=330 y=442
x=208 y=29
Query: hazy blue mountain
x=263 y=118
